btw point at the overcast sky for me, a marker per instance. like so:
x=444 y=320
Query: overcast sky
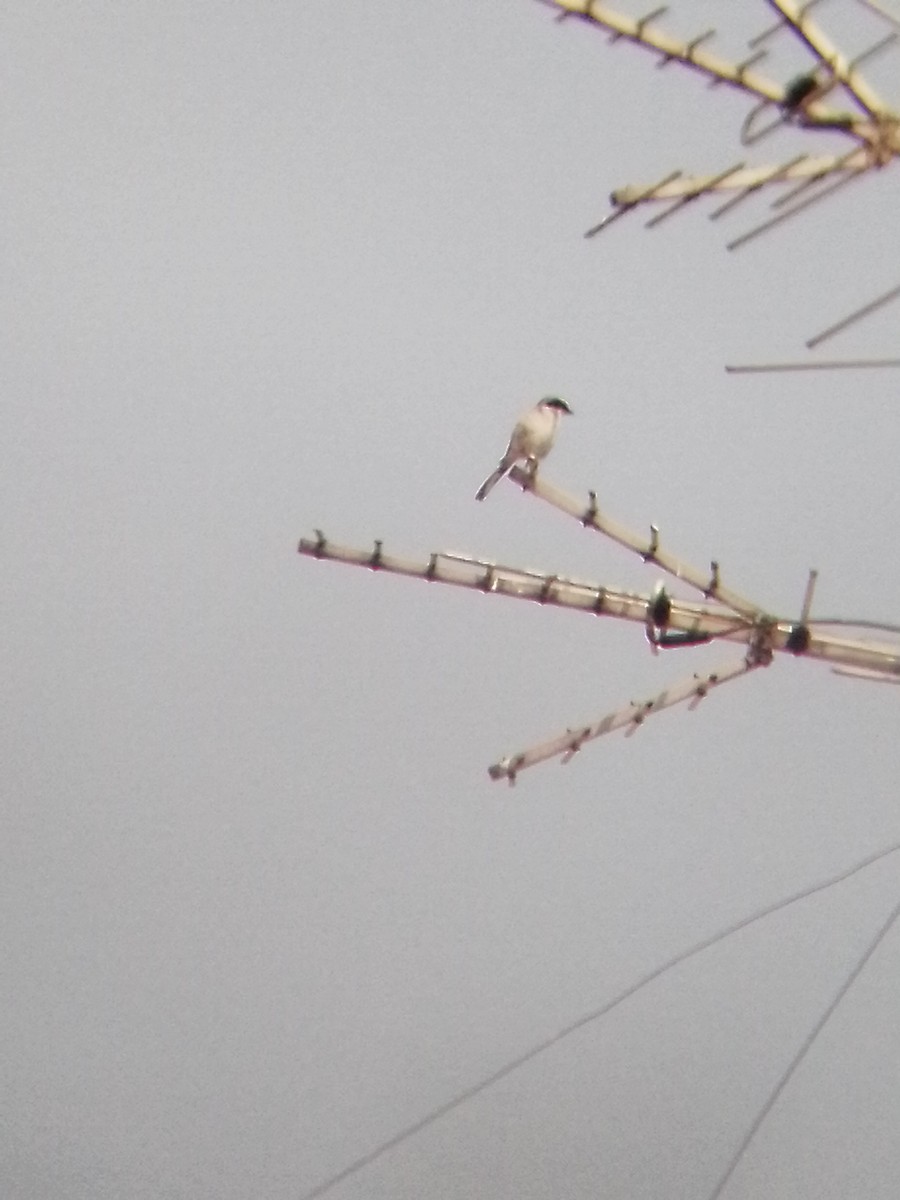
x=278 y=266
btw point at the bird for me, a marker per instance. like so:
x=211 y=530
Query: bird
x=532 y=439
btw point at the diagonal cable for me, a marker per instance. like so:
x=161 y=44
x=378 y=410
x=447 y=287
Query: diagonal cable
x=534 y=1051
x=804 y=1050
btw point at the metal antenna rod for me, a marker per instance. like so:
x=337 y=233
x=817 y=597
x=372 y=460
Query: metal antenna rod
x=671 y=49
x=763 y=634
x=688 y=197
x=493 y=579
x=825 y=50
x=823 y=194
x=625 y=206
x=833 y=365
x=875 y=130
x=778 y=27
x=853 y=318
x=889 y=40
x=712 y=620
x=847 y=162
x=649 y=550
x=808 y=597
x=566 y=745
x=772 y=175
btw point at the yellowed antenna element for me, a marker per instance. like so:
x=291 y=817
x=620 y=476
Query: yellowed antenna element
x=668 y=621
x=873 y=128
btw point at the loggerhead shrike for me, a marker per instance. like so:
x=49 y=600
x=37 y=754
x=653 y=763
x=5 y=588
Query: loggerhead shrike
x=531 y=439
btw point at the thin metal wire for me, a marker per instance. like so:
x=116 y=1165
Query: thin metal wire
x=776 y=174
x=858 y=315
x=520 y=1060
x=883 y=44
x=689 y=197
x=807 y=1045
x=622 y=209
x=857 y=364
x=826 y=191
x=782 y=24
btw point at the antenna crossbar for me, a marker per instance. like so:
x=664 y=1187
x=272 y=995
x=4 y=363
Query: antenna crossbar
x=806 y=168
x=707 y=621
x=823 y=193
x=858 y=315
x=649 y=549
x=691 y=52
x=823 y=48
x=667 y=621
x=629 y=718
x=850 y=364
x=874 y=128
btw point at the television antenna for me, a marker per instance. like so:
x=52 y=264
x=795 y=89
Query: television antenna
x=721 y=614
x=870 y=128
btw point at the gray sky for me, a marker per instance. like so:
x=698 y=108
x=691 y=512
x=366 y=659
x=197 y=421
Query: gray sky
x=278 y=266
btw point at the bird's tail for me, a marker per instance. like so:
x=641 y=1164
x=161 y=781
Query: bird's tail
x=493 y=479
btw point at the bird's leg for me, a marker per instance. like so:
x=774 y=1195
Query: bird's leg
x=531 y=464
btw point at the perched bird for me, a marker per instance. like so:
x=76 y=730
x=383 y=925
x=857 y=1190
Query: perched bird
x=531 y=440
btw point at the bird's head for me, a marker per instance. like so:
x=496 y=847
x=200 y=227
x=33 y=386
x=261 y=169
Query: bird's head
x=555 y=404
